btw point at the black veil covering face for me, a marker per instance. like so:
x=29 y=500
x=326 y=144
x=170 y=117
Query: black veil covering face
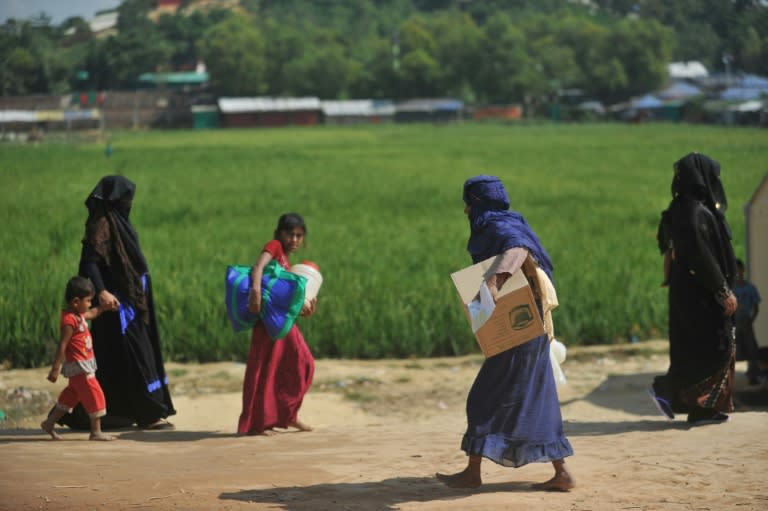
x=126 y=342
x=698 y=176
x=117 y=191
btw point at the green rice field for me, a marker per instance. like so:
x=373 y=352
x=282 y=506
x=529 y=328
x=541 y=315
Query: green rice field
x=385 y=223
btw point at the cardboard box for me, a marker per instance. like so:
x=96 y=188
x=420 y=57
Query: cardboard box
x=516 y=318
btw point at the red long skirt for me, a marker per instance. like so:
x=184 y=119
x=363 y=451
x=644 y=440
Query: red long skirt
x=277 y=375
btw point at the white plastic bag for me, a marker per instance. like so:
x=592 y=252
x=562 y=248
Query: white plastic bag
x=557 y=353
x=481 y=308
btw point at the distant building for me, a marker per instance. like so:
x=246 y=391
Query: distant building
x=268 y=111
x=168 y=6
x=179 y=80
x=756 y=215
x=205 y=116
x=429 y=110
x=104 y=24
x=745 y=87
x=498 y=112
x=49 y=119
x=691 y=69
x=358 y=111
x=680 y=90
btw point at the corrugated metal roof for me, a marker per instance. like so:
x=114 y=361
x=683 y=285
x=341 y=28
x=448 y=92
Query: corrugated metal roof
x=103 y=21
x=175 y=78
x=18 y=116
x=740 y=94
x=648 y=101
x=48 y=115
x=204 y=108
x=430 y=105
x=690 y=69
x=358 y=107
x=680 y=90
x=748 y=106
x=267 y=104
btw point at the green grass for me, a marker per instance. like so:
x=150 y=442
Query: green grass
x=384 y=213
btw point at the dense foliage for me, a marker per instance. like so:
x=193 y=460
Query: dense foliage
x=384 y=212
x=490 y=51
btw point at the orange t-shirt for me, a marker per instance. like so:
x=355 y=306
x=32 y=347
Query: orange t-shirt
x=80 y=346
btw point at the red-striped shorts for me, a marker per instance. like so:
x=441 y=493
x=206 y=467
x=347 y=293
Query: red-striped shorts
x=84 y=388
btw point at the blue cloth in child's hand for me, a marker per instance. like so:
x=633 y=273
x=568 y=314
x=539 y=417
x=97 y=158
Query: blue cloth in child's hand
x=282 y=297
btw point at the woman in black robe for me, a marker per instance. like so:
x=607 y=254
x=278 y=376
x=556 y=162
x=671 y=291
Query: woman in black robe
x=700 y=269
x=126 y=342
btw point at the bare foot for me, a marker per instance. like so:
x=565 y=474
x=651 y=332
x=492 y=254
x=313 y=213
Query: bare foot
x=48 y=428
x=562 y=481
x=101 y=437
x=268 y=432
x=299 y=425
x=463 y=479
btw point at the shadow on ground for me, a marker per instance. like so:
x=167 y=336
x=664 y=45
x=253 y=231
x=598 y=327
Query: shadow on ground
x=629 y=394
x=37 y=435
x=625 y=392
x=384 y=495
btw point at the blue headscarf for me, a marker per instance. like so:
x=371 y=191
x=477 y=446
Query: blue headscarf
x=494 y=228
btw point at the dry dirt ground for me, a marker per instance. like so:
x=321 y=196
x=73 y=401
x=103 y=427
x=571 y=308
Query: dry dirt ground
x=382 y=429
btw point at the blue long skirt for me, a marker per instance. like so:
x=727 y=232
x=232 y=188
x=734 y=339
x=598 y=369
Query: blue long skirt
x=513 y=412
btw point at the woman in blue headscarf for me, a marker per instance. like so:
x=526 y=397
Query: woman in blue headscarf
x=513 y=412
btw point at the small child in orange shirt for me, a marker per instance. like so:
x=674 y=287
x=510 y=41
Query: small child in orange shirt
x=79 y=364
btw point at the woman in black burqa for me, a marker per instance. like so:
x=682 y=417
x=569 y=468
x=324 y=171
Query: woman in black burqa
x=126 y=342
x=700 y=270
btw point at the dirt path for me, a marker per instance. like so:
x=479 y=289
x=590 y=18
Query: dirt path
x=382 y=429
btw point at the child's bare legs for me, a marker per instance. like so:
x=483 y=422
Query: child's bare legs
x=561 y=481
x=96 y=433
x=49 y=423
x=467 y=478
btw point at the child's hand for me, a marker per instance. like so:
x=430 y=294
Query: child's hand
x=730 y=304
x=53 y=375
x=309 y=308
x=108 y=301
x=103 y=307
x=254 y=300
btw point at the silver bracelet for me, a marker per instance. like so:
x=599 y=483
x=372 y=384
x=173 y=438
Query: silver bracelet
x=723 y=293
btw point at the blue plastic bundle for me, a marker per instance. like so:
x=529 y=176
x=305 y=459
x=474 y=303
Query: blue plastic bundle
x=282 y=297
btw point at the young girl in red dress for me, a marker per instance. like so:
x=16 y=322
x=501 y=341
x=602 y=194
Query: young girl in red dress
x=278 y=373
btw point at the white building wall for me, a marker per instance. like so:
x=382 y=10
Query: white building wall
x=756 y=213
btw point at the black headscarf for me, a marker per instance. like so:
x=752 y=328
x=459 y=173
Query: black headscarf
x=698 y=176
x=110 y=234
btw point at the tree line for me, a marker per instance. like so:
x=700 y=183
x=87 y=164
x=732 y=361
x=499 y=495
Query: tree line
x=491 y=51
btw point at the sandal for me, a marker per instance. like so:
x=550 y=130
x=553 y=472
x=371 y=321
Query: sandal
x=662 y=405
x=717 y=418
x=160 y=425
